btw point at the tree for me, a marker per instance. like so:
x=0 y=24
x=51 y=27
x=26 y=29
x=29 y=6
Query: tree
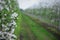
x=8 y=16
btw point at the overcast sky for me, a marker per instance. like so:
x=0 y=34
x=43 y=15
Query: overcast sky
x=28 y=3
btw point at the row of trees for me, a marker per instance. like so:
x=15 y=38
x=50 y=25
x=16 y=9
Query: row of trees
x=51 y=13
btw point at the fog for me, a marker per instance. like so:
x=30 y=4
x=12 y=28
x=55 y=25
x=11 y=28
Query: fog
x=24 y=4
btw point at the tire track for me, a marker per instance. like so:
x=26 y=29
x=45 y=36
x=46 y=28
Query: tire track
x=25 y=28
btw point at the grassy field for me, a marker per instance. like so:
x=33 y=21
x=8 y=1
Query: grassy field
x=30 y=30
x=18 y=27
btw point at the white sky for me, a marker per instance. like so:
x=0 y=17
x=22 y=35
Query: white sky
x=28 y=3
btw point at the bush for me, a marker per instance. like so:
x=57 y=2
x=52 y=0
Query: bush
x=8 y=17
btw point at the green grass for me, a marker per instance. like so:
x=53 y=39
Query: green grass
x=18 y=28
x=24 y=33
x=38 y=30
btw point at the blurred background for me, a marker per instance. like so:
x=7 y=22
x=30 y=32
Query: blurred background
x=40 y=19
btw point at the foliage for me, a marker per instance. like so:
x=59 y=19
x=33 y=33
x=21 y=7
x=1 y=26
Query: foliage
x=50 y=13
x=8 y=17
